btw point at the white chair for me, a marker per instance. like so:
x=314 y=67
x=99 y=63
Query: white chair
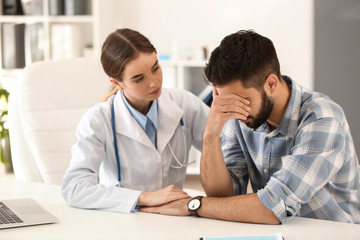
x=44 y=111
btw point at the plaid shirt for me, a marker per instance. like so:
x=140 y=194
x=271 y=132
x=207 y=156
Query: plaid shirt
x=306 y=167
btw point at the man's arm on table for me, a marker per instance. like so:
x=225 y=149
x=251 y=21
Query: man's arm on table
x=217 y=182
x=241 y=208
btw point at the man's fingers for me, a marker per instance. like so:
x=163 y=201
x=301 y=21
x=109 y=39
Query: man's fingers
x=234 y=100
x=149 y=210
x=177 y=208
x=233 y=96
x=234 y=115
x=177 y=197
x=231 y=108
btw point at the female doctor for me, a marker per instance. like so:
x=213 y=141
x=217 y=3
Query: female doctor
x=132 y=149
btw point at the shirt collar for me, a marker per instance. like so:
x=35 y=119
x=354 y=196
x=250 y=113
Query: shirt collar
x=288 y=123
x=153 y=113
x=139 y=117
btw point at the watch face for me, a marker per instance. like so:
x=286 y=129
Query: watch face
x=194 y=204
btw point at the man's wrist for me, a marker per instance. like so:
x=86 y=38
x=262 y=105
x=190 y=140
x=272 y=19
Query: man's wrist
x=211 y=136
x=194 y=205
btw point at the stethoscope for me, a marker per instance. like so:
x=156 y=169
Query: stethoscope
x=180 y=165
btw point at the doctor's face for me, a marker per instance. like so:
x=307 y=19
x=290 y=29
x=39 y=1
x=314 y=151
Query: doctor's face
x=142 y=81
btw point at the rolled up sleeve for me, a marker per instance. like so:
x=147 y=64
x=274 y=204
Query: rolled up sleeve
x=317 y=155
x=276 y=197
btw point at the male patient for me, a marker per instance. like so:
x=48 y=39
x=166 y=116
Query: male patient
x=293 y=144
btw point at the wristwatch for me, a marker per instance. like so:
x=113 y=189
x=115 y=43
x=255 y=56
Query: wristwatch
x=194 y=204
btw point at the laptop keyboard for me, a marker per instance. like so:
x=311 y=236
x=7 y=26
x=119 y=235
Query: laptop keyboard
x=7 y=216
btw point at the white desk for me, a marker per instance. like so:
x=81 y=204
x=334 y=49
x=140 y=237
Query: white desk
x=94 y=224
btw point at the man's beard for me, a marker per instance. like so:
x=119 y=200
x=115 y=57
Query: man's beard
x=267 y=105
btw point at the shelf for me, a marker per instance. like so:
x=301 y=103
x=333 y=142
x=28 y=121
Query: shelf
x=55 y=36
x=71 y=19
x=50 y=19
x=21 y=19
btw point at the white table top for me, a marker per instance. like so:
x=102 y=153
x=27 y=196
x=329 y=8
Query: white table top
x=95 y=224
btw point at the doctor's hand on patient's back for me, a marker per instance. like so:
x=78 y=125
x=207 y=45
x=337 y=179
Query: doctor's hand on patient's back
x=162 y=196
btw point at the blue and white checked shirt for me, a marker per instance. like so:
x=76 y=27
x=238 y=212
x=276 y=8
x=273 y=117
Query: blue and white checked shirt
x=306 y=167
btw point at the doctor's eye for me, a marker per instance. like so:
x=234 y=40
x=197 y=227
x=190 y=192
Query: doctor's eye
x=156 y=68
x=139 y=80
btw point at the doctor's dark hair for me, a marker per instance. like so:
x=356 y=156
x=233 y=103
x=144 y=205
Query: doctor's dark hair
x=119 y=48
x=244 y=56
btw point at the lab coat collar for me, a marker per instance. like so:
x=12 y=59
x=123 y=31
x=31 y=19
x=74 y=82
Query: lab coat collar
x=125 y=123
x=169 y=114
x=169 y=119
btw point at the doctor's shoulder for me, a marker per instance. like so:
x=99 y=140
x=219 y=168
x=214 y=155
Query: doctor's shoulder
x=97 y=116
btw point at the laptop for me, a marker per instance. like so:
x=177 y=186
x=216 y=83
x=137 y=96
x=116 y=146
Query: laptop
x=23 y=212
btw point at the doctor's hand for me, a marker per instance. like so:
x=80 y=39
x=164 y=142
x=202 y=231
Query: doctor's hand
x=175 y=208
x=223 y=108
x=162 y=196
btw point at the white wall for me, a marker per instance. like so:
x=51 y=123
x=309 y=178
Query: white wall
x=195 y=23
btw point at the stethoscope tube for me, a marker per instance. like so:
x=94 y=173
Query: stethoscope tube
x=115 y=141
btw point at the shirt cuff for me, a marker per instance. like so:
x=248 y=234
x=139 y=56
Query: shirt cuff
x=134 y=207
x=278 y=198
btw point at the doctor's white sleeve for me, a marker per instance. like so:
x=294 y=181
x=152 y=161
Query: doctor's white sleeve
x=81 y=186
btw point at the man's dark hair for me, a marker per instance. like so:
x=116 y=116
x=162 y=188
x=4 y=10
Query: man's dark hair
x=243 y=56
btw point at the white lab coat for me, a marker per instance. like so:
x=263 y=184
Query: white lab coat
x=91 y=178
